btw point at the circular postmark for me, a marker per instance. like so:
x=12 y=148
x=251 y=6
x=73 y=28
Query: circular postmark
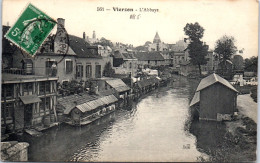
x=33 y=35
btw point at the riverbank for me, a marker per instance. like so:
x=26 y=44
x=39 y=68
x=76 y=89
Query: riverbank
x=232 y=140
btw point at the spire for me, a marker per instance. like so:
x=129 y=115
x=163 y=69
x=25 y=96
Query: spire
x=156 y=38
x=94 y=35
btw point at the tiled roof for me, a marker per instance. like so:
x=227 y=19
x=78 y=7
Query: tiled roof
x=149 y=56
x=212 y=79
x=80 y=47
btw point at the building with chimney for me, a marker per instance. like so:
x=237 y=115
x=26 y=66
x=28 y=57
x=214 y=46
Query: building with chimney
x=77 y=61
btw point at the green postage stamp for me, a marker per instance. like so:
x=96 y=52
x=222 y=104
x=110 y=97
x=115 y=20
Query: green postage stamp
x=31 y=29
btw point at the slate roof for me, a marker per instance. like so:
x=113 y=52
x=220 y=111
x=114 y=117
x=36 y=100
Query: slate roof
x=179 y=46
x=147 y=82
x=16 y=78
x=195 y=99
x=8 y=47
x=128 y=56
x=124 y=55
x=70 y=102
x=81 y=47
x=179 y=53
x=91 y=105
x=208 y=81
x=184 y=63
x=149 y=56
x=212 y=79
x=118 y=85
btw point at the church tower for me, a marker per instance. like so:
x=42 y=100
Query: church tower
x=156 y=38
x=94 y=35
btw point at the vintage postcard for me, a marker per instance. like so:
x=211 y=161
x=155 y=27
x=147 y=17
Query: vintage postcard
x=129 y=81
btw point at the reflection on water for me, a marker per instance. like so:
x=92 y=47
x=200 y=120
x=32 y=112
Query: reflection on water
x=153 y=130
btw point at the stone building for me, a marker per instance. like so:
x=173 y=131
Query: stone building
x=149 y=59
x=81 y=61
x=125 y=62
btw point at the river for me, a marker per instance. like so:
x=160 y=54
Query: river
x=154 y=129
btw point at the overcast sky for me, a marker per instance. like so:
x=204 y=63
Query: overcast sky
x=238 y=18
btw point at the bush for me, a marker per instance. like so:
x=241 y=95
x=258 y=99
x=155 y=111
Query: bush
x=254 y=93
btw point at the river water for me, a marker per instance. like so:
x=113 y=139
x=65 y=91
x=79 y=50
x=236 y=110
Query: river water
x=154 y=129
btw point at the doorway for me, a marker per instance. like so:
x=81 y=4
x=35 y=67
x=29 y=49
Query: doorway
x=28 y=114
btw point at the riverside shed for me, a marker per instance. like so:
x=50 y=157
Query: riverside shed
x=216 y=98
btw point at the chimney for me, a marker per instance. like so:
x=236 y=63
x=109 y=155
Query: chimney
x=84 y=35
x=61 y=23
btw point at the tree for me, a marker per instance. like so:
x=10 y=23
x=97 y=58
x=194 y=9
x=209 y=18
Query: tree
x=108 y=70
x=251 y=64
x=197 y=49
x=225 y=47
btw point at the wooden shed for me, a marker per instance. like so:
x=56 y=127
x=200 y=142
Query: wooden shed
x=216 y=98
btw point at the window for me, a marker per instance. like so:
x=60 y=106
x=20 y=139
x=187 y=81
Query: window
x=88 y=71
x=155 y=62
x=7 y=111
x=27 y=88
x=45 y=104
x=68 y=66
x=9 y=90
x=36 y=109
x=42 y=88
x=45 y=87
x=98 y=71
x=79 y=71
x=124 y=65
x=130 y=65
x=42 y=105
x=51 y=68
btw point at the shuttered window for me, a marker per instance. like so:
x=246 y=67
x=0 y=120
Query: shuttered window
x=68 y=66
x=79 y=71
x=88 y=71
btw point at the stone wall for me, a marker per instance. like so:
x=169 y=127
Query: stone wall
x=14 y=151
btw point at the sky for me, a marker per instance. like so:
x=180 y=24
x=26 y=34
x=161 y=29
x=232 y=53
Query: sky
x=237 y=18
